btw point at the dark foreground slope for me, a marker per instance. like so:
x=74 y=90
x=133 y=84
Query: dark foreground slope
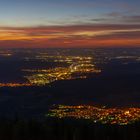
x=68 y=129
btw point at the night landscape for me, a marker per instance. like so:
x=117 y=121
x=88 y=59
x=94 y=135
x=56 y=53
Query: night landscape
x=69 y=70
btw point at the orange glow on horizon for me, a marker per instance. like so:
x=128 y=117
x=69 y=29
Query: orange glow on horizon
x=71 y=36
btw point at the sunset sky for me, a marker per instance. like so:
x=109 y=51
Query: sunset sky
x=69 y=23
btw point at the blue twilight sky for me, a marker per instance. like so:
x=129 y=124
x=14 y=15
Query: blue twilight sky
x=69 y=23
x=68 y=12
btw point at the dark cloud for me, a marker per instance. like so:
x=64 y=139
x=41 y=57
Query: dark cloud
x=118 y=17
x=121 y=35
x=131 y=19
x=68 y=28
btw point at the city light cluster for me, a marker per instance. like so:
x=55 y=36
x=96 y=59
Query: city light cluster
x=78 y=67
x=121 y=116
x=15 y=84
